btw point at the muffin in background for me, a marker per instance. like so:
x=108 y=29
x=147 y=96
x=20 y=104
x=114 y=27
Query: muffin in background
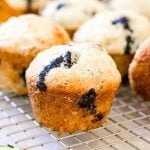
x=27 y=6
x=137 y=6
x=139 y=71
x=72 y=87
x=6 y=12
x=119 y=32
x=21 y=39
x=71 y=14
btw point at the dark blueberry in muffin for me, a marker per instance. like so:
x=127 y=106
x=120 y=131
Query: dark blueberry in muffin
x=41 y=85
x=124 y=21
x=66 y=59
x=98 y=117
x=60 y=6
x=88 y=101
x=129 y=41
x=54 y=64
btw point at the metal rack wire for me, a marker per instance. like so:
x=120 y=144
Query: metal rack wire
x=128 y=126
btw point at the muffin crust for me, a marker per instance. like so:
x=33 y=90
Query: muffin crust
x=77 y=96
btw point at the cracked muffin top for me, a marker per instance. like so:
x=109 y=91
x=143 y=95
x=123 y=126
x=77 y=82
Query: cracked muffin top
x=70 y=67
x=30 y=34
x=72 y=13
x=119 y=32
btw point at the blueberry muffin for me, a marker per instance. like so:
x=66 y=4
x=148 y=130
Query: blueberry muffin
x=139 y=71
x=138 y=6
x=119 y=32
x=21 y=38
x=27 y=6
x=72 y=13
x=72 y=87
x=6 y=12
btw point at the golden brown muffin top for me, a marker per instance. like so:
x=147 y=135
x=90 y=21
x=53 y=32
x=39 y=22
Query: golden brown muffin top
x=73 y=68
x=120 y=32
x=30 y=34
x=71 y=14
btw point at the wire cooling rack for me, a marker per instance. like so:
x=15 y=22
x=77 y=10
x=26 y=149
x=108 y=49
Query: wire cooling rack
x=128 y=127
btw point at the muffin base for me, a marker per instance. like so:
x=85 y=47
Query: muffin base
x=12 y=79
x=60 y=111
x=122 y=62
